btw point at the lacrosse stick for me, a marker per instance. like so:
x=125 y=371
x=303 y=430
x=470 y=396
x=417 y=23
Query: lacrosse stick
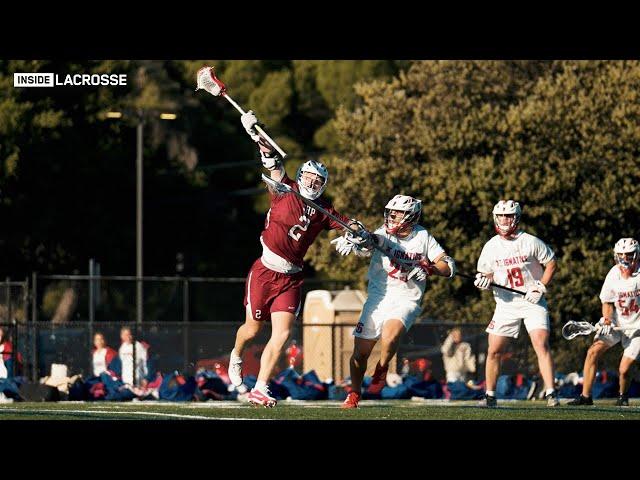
x=283 y=188
x=473 y=277
x=208 y=81
x=572 y=329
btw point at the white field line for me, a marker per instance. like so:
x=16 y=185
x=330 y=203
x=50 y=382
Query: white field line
x=130 y=412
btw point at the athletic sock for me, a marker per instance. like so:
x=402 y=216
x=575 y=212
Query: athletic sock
x=233 y=358
x=491 y=393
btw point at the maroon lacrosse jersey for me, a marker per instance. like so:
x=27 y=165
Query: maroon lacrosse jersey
x=291 y=226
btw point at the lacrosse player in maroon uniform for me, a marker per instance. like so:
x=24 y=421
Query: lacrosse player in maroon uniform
x=273 y=286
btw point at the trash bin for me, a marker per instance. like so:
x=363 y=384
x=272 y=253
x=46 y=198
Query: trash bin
x=329 y=318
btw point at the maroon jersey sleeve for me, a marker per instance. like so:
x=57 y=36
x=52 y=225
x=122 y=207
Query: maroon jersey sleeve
x=332 y=224
x=274 y=197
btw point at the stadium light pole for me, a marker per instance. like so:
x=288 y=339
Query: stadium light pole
x=139 y=185
x=140 y=115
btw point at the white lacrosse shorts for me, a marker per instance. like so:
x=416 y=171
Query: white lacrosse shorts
x=376 y=312
x=506 y=321
x=630 y=341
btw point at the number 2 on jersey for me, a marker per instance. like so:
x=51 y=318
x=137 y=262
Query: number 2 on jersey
x=515 y=277
x=305 y=224
x=398 y=272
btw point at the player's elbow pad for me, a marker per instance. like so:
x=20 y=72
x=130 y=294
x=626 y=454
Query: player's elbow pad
x=451 y=263
x=271 y=163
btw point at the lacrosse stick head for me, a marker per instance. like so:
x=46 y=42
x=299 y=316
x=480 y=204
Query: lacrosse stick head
x=572 y=329
x=207 y=80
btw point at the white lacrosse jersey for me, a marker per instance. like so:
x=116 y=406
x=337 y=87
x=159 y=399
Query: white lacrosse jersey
x=624 y=294
x=389 y=277
x=126 y=357
x=516 y=264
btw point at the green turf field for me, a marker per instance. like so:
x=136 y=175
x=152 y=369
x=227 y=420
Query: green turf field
x=320 y=410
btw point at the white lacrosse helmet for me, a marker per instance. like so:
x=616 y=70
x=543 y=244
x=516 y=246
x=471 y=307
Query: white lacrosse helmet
x=506 y=207
x=309 y=191
x=412 y=208
x=627 y=245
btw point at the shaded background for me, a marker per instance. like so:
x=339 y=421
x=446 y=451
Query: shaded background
x=561 y=137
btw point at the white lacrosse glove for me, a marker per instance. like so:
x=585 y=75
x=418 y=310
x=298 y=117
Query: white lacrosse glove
x=451 y=263
x=605 y=328
x=535 y=292
x=418 y=274
x=349 y=242
x=421 y=271
x=249 y=121
x=343 y=245
x=482 y=281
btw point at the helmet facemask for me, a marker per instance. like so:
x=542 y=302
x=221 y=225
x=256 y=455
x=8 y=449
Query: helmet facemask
x=627 y=260
x=312 y=179
x=506 y=217
x=627 y=254
x=505 y=223
x=401 y=214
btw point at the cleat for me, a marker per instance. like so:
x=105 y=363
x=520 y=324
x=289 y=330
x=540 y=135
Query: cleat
x=490 y=401
x=581 y=401
x=623 y=401
x=259 y=398
x=552 y=399
x=379 y=380
x=351 y=401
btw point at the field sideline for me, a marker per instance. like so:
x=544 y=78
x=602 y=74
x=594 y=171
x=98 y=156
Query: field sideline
x=317 y=410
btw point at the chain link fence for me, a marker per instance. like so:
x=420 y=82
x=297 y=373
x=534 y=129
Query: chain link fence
x=191 y=323
x=64 y=298
x=189 y=346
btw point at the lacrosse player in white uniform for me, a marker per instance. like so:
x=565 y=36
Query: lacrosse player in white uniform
x=620 y=297
x=523 y=262
x=395 y=289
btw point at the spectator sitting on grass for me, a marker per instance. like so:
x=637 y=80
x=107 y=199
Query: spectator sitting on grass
x=102 y=354
x=457 y=357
